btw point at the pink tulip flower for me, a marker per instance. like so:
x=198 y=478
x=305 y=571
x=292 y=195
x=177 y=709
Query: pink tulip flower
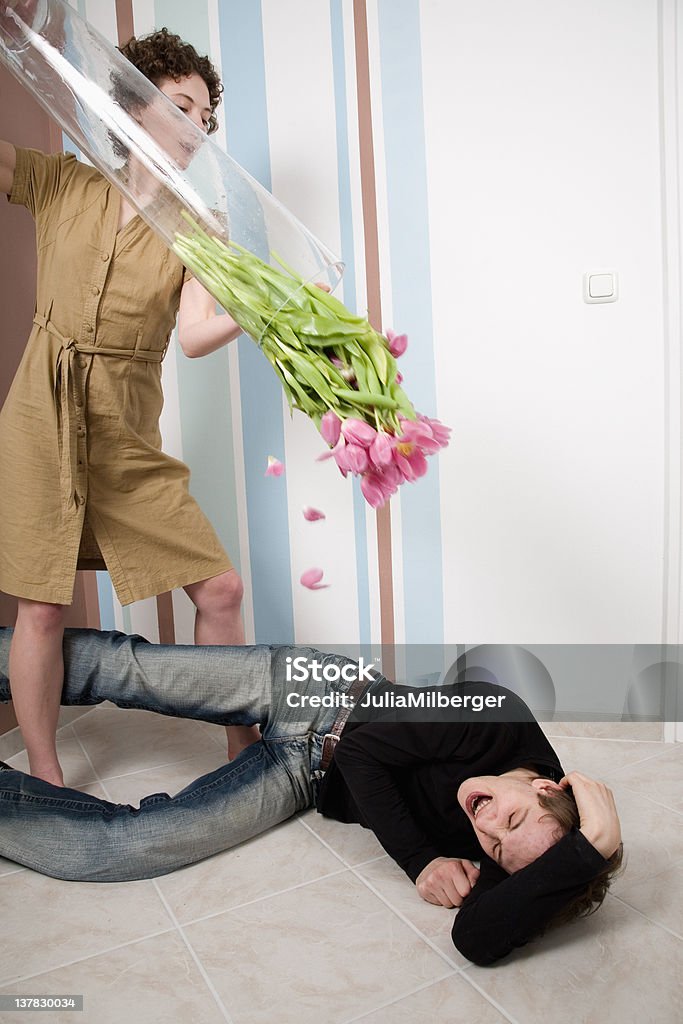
x=311 y=579
x=418 y=433
x=373 y=492
x=340 y=456
x=410 y=461
x=356 y=458
x=336 y=453
x=398 y=343
x=391 y=477
x=380 y=450
x=275 y=467
x=330 y=427
x=358 y=432
x=312 y=515
x=440 y=432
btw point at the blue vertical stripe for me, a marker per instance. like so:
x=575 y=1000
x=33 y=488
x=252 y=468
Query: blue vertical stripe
x=241 y=35
x=204 y=384
x=105 y=599
x=404 y=141
x=350 y=298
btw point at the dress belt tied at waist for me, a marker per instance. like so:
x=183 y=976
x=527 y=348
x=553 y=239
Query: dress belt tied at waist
x=68 y=401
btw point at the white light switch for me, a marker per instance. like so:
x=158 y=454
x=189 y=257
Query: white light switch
x=600 y=286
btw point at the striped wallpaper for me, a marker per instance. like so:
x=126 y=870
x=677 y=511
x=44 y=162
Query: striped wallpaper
x=322 y=105
x=459 y=159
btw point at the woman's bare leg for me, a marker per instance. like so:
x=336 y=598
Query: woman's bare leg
x=219 y=621
x=36 y=677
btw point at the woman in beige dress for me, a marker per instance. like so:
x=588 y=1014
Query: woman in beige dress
x=84 y=481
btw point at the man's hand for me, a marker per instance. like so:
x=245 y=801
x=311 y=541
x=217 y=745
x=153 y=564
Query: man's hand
x=446 y=881
x=598 y=818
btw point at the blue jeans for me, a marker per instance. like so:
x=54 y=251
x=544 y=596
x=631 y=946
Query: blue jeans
x=71 y=835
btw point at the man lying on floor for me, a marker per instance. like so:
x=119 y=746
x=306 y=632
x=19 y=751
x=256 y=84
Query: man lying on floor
x=466 y=784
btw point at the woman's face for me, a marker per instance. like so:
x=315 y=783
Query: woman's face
x=191 y=96
x=177 y=139
x=510 y=824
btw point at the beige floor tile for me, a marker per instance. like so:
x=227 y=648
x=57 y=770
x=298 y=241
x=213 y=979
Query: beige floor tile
x=653 y=836
x=434 y=923
x=659 y=896
x=612 y=968
x=216 y=733
x=94 y=789
x=326 y=952
x=120 y=741
x=661 y=778
x=130 y=789
x=155 y=981
x=446 y=1001
x=8 y=867
x=78 y=771
x=51 y=922
x=281 y=858
x=599 y=758
x=11 y=743
x=353 y=843
x=68 y=715
x=652 y=880
x=606 y=730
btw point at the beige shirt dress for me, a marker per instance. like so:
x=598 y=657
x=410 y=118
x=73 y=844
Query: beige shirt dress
x=83 y=480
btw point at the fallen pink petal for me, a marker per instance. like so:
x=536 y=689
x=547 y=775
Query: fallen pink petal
x=275 y=467
x=311 y=579
x=312 y=515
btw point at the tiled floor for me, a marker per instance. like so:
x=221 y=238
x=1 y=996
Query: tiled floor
x=312 y=922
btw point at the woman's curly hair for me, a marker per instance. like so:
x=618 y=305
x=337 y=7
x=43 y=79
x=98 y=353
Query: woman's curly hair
x=163 y=54
x=562 y=807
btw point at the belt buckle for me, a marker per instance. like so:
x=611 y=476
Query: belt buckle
x=326 y=752
x=330 y=736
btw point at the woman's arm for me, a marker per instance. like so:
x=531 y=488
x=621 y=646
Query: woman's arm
x=200 y=329
x=8 y=160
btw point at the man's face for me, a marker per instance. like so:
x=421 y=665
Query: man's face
x=510 y=824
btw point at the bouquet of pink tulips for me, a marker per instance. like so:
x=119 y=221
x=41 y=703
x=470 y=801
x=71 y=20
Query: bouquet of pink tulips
x=333 y=365
x=383 y=459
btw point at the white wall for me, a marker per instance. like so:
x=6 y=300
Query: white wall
x=545 y=137
x=542 y=133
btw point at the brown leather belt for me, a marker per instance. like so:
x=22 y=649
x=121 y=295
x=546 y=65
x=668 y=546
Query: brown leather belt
x=331 y=738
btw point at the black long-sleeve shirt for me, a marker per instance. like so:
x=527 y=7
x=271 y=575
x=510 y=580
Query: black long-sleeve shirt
x=400 y=778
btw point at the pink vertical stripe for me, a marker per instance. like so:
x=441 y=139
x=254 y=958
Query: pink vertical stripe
x=372 y=276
